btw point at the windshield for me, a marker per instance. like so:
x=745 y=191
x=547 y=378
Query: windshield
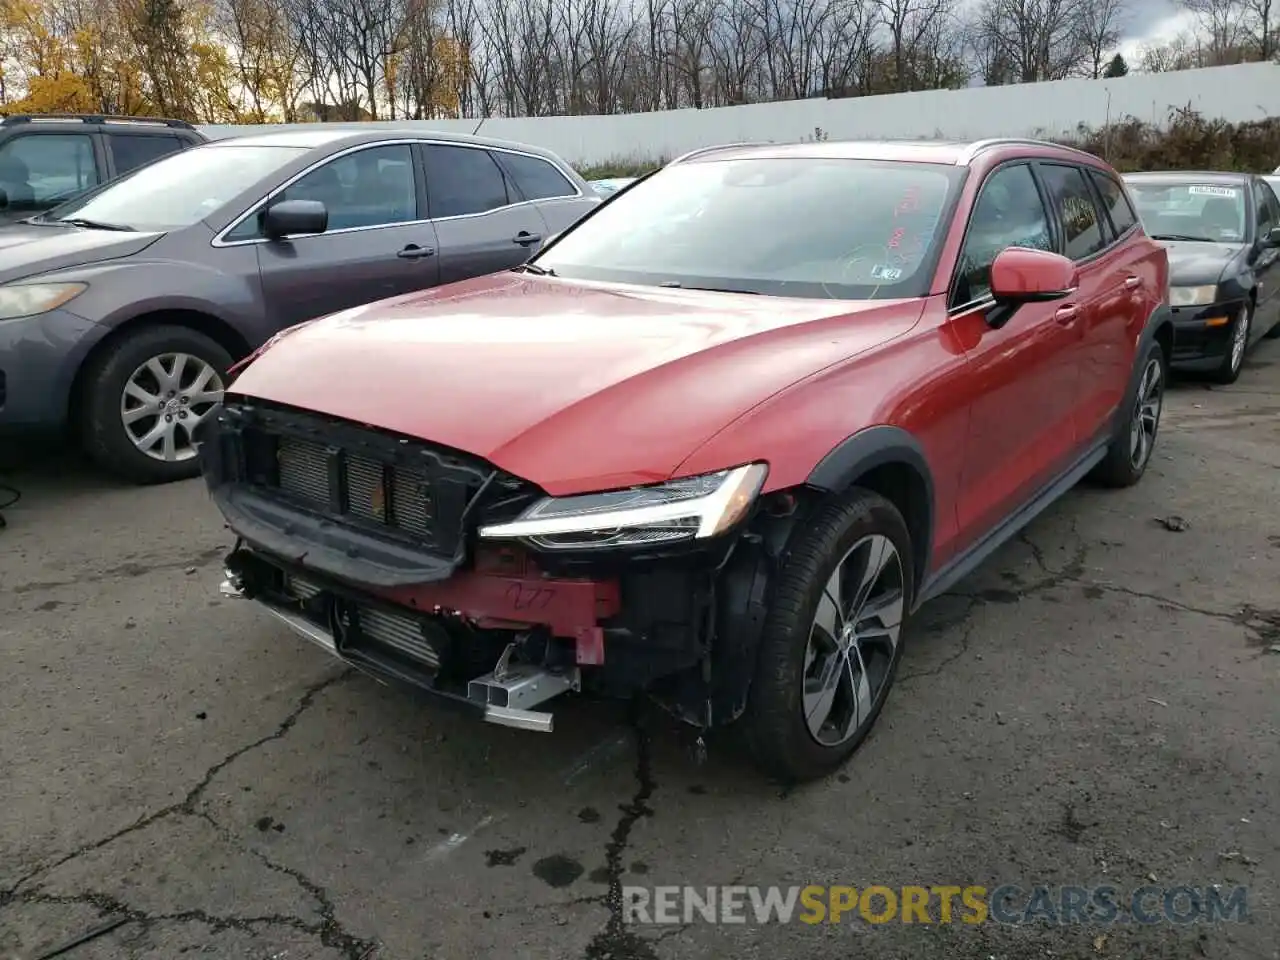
x=796 y=227
x=177 y=190
x=1186 y=210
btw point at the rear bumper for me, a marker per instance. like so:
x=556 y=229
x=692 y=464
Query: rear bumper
x=1202 y=335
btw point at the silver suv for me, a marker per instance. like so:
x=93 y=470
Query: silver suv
x=122 y=310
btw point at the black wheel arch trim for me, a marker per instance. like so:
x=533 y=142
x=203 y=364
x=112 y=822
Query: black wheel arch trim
x=1161 y=318
x=880 y=446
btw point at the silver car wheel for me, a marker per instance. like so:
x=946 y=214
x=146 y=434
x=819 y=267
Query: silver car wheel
x=164 y=400
x=1240 y=338
x=853 y=640
x=1146 y=414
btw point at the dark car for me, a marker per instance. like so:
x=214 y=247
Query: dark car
x=45 y=159
x=715 y=458
x=122 y=310
x=1223 y=234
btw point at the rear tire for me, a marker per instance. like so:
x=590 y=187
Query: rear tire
x=832 y=641
x=143 y=398
x=1132 y=447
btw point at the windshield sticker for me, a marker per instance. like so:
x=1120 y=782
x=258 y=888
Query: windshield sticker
x=1203 y=190
x=885 y=273
x=910 y=203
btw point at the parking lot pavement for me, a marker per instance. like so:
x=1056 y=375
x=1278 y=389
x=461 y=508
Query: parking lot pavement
x=1097 y=705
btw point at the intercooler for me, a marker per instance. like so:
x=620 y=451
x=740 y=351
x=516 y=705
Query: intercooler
x=403 y=633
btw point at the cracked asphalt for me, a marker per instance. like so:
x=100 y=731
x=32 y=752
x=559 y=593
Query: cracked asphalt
x=1099 y=704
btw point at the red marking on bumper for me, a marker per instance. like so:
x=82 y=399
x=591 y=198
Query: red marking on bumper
x=568 y=608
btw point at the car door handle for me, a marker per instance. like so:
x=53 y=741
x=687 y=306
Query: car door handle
x=415 y=252
x=525 y=238
x=1067 y=315
x=1132 y=283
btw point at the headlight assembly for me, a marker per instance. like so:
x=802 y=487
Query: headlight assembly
x=1192 y=296
x=691 y=508
x=30 y=299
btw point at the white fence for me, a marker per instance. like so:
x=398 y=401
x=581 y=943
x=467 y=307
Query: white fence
x=1235 y=94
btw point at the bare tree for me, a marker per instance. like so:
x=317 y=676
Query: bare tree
x=1101 y=23
x=912 y=25
x=1221 y=29
x=1262 y=26
x=1032 y=40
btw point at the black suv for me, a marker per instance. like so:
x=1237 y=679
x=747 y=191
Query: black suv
x=48 y=158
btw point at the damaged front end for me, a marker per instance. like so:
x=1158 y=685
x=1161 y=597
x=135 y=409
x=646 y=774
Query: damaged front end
x=431 y=567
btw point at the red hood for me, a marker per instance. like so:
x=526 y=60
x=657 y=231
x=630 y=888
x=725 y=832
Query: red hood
x=572 y=386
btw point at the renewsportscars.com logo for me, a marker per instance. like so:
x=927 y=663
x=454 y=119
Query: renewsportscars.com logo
x=876 y=904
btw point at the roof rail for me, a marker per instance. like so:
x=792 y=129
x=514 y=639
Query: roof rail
x=978 y=146
x=95 y=118
x=700 y=151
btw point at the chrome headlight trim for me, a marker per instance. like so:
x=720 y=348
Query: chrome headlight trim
x=689 y=508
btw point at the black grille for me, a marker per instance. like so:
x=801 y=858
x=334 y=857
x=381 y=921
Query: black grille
x=390 y=487
x=330 y=478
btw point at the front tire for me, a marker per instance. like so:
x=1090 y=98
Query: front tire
x=833 y=638
x=143 y=399
x=1131 y=448
x=1237 y=347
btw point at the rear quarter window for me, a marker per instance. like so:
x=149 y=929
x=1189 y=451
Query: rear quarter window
x=535 y=178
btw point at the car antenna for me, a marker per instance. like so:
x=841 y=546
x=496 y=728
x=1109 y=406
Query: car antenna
x=479 y=125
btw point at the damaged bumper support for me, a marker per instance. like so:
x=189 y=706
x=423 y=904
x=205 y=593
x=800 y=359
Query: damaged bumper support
x=505 y=695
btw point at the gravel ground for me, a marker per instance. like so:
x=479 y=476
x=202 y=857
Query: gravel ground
x=1097 y=705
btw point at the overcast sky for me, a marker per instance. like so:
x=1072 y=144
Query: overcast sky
x=1151 y=21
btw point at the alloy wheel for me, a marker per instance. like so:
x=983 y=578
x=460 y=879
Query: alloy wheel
x=164 y=400
x=853 y=640
x=1240 y=338
x=1146 y=414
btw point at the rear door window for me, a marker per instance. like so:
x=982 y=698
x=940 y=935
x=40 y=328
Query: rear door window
x=132 y=150
x=463 y=181
x=1069 y=194
x=1115 y=201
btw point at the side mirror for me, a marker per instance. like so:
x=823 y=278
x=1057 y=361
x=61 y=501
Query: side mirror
x=292 y=217
x=1021 y=275
x=1272 y=239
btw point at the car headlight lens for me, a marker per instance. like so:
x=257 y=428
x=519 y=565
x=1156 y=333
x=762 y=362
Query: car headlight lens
x=31 y=299
x=1192 y=296
x=691 y=508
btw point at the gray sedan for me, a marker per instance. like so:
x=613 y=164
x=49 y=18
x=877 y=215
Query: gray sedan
x=122 y=310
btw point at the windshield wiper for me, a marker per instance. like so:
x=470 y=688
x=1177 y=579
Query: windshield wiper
x=536 y=270
x=1181 y=236
x=93 y=224
x=677 y=285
